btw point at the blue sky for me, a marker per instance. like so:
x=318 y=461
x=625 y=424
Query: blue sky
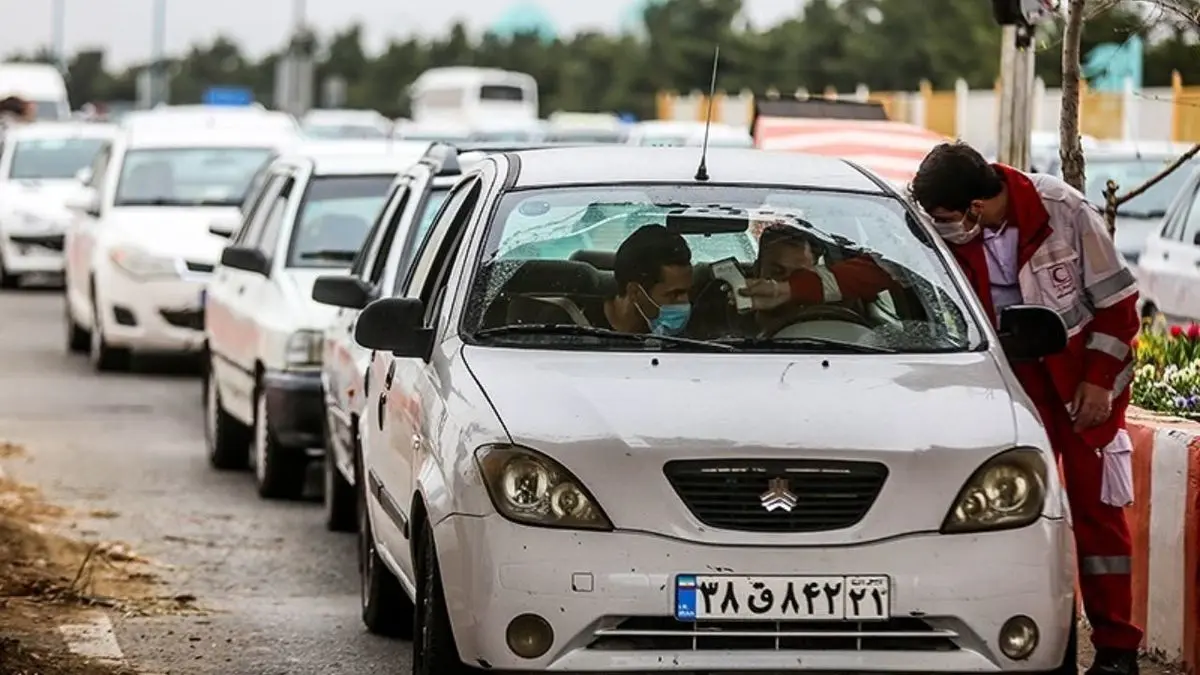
x=123 y=27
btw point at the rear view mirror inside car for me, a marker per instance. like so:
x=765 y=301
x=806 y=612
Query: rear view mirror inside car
x=708 y=220
x=1029 y=332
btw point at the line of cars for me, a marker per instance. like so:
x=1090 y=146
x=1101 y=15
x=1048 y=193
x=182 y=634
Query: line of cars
x=532 y=491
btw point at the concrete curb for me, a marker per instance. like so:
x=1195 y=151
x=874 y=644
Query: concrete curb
x=1164 y=523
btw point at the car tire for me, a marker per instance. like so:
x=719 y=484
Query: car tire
x=279 y=472
x=8 y=281
x=105 y=358
x=341 y=507
x=386 y=608
x=435 y=651
x=227 y=439
x=78 y=337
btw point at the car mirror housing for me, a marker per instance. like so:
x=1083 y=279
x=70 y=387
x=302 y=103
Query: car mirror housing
x=247 y=259
x=342 y=291
x=395 y=325
x=1030 y=332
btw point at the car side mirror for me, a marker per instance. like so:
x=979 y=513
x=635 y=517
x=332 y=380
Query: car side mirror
x=342 y=291
x=247 y=259
x=84 y=175
x=224 y=227
x=1196 y=239
x=395 y=325
x=1029 y=332
x=85 y=200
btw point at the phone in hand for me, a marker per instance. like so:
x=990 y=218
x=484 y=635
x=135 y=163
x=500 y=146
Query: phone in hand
x=727 y=270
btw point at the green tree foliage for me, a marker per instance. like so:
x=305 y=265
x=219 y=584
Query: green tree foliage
x=884 y=44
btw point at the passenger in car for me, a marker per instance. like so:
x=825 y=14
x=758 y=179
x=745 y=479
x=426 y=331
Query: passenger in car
x=790 y=273
x=653 y=271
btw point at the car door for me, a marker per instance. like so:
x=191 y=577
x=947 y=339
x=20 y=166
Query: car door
x=344 y=360
x=225 y=309
x=80 y=238
x=1173 y=260
x=403 y=398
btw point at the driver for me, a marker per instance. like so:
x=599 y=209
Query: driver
x=790 y=273
x=653 y=271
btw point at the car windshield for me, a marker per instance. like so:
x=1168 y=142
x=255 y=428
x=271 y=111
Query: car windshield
x=547 y=274
x=53 y=158
x=335 y=216
x=47 y=111
x=188 y=176
x=1130 y=173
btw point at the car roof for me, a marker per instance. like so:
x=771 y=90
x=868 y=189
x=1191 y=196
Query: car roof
x=606 y=164
x=349 y=158
x=62 y=130
x=160 y=137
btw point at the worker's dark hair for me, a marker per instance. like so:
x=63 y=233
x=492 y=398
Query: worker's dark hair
x=12 y=104
x=952 y=176
x=640 y=259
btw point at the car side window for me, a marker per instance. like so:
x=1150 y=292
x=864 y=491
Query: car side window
x=273 y=222
x=434 y=292
x=1191 y=223
x=251 y=231
x=426 y=255
x=389 y=237
x=369 y=253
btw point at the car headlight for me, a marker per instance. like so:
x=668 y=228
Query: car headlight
x=143 y=264
x=530 y=488
x=1007 y=492
x=304 y=348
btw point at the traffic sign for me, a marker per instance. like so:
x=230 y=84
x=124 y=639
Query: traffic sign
x=233 y=96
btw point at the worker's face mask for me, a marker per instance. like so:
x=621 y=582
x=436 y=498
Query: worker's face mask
x=959 y=231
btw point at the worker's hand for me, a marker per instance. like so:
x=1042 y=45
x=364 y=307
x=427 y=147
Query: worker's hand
x=1092 y=405
x=767 y=293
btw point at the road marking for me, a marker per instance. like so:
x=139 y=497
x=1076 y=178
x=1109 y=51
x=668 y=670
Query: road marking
x=94 y=639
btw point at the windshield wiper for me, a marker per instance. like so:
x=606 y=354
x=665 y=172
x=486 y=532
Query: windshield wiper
x=329 y=254
x=593 y=331
x=1157 y=213
x=156 y=201
x=790 y=344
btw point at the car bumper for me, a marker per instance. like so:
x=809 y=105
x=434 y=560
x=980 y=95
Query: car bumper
x=33 y=254
x=609 y=598
x=296 y=408
x=161 y=315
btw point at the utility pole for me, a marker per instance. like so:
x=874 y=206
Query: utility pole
x=158 y=79
x=58 y=32
x=1017 y=75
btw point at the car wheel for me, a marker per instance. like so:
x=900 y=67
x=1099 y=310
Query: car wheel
x=78 y=338
x=228 y=440
x=8 y=281
x=341 y=510
x=105 y=358
x=279 y=472
x=434 y=649
x=386 y=608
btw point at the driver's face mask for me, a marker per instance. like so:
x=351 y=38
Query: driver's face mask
x=671 y=319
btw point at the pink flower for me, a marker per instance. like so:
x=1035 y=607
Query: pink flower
x=1193 y=332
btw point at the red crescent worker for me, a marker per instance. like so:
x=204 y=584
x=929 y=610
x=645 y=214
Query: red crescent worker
x=1033 y=239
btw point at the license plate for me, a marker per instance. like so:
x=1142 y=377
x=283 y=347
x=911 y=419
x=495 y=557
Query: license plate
x=775 y=598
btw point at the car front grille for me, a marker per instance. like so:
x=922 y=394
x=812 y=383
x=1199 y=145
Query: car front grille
x=668 y=634
x=199 y=267
x=184 y=318
x=777 y=495
x=54 y=242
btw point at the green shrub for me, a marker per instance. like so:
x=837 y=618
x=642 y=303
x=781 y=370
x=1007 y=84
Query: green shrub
x=1167 y=378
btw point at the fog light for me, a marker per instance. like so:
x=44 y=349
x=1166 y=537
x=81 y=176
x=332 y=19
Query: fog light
x=1018 y=638
x=529 y=636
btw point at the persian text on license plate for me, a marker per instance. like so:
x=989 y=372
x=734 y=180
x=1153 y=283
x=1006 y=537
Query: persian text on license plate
x=774 y=598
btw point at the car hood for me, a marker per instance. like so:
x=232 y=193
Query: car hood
x=297 y=285
x=170 y=231
x=614 y=420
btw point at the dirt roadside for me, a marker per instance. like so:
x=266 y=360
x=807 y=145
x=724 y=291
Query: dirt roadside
x=48 y=579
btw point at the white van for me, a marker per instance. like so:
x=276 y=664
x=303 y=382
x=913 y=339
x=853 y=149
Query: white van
x=474 y=95
x=39 y=83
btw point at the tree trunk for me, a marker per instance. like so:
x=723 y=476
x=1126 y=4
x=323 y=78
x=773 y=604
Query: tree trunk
x=1070 y=149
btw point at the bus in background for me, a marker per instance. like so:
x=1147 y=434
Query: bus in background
x=474 y=96
x=40 y=84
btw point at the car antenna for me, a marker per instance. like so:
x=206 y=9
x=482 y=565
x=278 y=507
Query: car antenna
x=702 y=170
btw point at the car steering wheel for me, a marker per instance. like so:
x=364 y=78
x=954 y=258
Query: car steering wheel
x=819 y=313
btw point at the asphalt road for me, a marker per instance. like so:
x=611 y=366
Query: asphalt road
x=282 y=590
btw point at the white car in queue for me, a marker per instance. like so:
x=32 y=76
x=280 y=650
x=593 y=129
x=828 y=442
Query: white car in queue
x=382 y=263
x=140 y=251
x=262 y=393
x=40 y=168
x=556 y=495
